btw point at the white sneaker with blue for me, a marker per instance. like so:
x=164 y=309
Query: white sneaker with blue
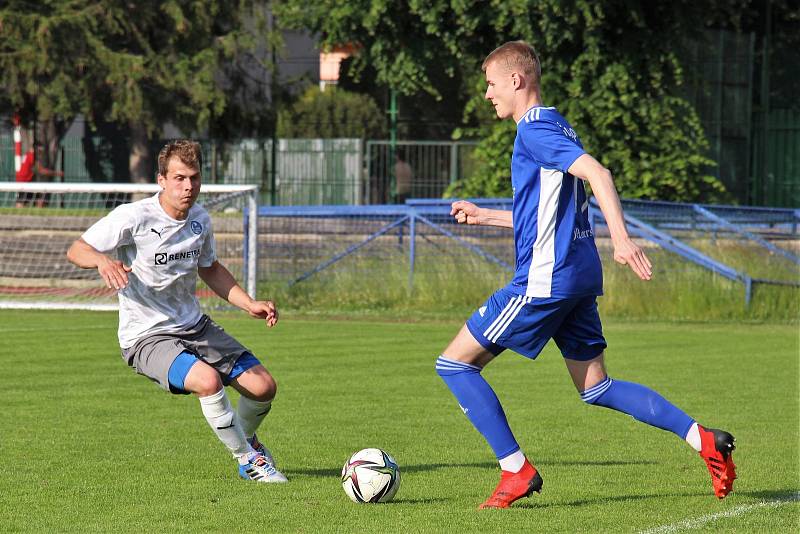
x=261 y=449
x=260 y=469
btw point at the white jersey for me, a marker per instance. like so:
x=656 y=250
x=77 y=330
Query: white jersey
x=164 y=254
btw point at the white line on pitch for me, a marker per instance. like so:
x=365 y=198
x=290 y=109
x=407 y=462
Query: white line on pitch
x=698 y=522
x=71 y=329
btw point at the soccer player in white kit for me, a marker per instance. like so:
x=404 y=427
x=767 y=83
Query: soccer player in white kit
x=163 y=243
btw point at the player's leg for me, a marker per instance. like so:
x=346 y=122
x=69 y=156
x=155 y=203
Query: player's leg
x=190 y=374
x=640 y=402
x=206 y=383
x=460 y=367
x=237 y=366
x=257 y=388
x=183 y=373
x=580 y=339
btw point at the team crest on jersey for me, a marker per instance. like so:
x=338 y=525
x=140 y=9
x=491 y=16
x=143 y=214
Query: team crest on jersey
x=197 y=228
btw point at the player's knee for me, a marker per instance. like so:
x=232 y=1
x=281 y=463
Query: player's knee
x=203 y=380
x=591 y=395
x=265 y=390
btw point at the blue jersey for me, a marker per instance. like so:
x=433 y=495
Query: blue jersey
x=556 y=254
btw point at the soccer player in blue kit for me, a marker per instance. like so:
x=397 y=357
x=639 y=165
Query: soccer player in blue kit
x=557 y=279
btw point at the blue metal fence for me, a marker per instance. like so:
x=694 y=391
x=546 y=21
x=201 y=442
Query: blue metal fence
x=301 y=242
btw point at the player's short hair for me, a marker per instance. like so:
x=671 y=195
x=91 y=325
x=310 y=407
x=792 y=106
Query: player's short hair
x=516 y=55
x=187 y=150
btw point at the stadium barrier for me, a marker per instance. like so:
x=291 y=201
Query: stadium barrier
x=707 y=236
x=384 y=254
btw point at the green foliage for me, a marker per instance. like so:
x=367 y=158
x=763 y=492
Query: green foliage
x=617 y=88
x=141 y=63
x=492 y=175
x=332 y=113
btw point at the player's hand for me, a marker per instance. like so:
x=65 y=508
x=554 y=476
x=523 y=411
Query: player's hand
x=465 y=212
x=114 y=273
x=264 y=309
x=628 y=253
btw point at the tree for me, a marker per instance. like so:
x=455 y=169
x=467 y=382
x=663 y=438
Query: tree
x=44 y=78
x=332 y=113
x=137 y=64
x=619 y=93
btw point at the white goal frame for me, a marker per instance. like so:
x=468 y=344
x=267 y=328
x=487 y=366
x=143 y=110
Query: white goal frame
x=250 y=214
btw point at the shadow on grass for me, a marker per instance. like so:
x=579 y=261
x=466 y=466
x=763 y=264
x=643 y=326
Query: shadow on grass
x=403 y=469
x=422 y=468
x=766 y=495
x=772 y=495
x=600 y=463
x=431 y=500
x=578 y=503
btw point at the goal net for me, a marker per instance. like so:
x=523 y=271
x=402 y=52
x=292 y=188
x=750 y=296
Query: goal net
x=39 y=221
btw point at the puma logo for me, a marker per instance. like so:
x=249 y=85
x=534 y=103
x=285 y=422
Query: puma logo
x=156 y=232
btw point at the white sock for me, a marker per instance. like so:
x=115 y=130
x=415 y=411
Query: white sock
x=513 y=462
x=222 y=419
x=693 y=438
x=251 y=413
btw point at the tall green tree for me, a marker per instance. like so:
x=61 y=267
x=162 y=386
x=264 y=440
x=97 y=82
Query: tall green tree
x=138 y=64
x=332 y=113
x=611 y=67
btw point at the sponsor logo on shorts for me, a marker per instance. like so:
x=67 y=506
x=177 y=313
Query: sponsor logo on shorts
x=163 y=258
x=197 y=228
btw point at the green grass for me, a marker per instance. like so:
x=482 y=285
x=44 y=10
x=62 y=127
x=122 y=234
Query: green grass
x=86 y=445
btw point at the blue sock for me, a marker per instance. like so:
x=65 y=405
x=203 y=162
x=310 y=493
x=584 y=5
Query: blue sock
x=641 y=403
x=479 y=403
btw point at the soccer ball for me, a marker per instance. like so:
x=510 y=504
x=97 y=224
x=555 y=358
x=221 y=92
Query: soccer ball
x=370 y=475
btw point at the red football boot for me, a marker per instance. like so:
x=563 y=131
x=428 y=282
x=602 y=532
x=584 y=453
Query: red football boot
x=717 y=452
x=514 y=486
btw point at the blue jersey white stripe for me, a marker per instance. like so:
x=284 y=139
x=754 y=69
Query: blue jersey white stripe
x=556 y=254
x=543 y=257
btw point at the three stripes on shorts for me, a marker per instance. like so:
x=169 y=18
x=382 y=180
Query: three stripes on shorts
x=505 y=318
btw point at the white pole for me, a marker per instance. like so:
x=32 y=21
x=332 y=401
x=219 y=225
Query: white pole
x=252 y=244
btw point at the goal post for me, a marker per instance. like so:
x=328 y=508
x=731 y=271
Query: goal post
x=39 y=221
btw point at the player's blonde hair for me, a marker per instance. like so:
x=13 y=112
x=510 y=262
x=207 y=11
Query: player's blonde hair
x=188 y=151
x=516 y=55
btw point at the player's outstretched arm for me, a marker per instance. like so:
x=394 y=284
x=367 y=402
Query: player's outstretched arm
x=626 y=251
x=222 y=282
x=113 y=272
x=466 y=212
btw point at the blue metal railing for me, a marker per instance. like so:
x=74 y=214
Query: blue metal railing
x=652 y=221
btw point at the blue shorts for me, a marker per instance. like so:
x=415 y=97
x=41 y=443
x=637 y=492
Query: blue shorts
x=180 y=367
x=525 y=324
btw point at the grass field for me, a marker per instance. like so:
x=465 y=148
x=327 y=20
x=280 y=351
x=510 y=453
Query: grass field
x=88 y=446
